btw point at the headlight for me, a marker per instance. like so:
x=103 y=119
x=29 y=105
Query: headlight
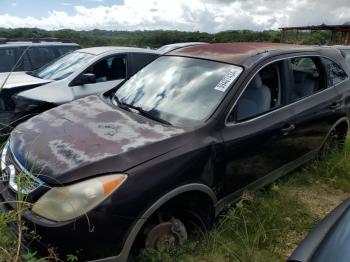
x=69 y=202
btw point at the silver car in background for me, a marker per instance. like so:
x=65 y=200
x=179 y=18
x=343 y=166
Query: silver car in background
x=78 y=74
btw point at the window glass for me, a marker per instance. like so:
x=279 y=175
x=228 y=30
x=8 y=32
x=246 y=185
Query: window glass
x=306 y=78
x=262 y=94
x=334 y=72
x=40 y=56
x=62 y=50
x=111 y=68
x=347 y=55
x=7 y=58
x=64 y=66
x=183 y=91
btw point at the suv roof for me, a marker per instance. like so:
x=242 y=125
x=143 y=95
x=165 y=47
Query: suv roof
x=106 y=49
x=34 y=41
x=171 y=47
x=236 y=53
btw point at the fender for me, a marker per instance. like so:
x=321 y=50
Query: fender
x=124 y=254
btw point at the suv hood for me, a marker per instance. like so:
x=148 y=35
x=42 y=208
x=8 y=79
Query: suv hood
x=88 y=137
x=19 y=79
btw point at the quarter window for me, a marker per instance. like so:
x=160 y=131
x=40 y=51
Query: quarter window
x=306 y=77
x=262 y=94
x=335 y=73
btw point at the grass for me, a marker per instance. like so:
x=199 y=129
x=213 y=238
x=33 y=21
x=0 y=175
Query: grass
x=265 y=225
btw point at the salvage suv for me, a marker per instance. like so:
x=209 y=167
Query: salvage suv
x=168 y=150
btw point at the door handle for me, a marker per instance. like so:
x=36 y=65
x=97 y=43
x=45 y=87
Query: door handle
x=334 y=105
x=288 y=129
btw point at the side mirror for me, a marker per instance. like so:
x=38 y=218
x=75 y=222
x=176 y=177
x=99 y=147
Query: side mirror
x=87 y=78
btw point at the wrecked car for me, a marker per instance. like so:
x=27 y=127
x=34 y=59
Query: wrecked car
x=75 y=75
x=174 y=145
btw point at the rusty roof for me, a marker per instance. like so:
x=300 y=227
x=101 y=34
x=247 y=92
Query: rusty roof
x=233 y=53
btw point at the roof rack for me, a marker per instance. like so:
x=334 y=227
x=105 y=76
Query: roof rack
x=4 y=40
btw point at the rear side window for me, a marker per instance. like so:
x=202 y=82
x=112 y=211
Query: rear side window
x=306 y=76
x=62 y=50
x=139 y=60
x=40 y=56
x=335 y=73
x=7 y=58
x=347 y=56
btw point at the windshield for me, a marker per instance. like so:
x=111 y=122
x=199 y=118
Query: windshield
x=64 y=66
x=182 y=91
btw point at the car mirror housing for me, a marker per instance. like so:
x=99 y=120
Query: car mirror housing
x=83 y=79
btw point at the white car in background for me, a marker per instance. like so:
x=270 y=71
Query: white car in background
x=78 y=74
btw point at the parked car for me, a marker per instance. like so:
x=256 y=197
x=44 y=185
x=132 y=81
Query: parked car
x=75 y=75
x=329 y=241
x=174 y=145
x=171 y=47
x=36 y=52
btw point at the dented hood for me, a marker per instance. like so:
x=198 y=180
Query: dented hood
x=19 y=79
x=88 y=137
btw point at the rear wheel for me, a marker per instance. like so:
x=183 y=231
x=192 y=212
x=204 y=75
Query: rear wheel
x=335 y=140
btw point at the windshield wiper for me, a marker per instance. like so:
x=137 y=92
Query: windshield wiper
x=140 y=110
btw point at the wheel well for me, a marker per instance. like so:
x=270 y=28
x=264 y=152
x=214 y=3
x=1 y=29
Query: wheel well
x=342 y=129
x=198 y=202
x=194 y=201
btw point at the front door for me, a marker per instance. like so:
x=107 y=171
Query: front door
x=257 y=136
x=109 y=72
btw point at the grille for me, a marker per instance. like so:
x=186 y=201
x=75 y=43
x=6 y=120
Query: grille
x=19 y=179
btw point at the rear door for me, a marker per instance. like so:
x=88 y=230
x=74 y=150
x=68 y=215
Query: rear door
x=314 y=102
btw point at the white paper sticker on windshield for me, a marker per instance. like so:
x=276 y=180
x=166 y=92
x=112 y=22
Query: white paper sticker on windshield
x=227 y=80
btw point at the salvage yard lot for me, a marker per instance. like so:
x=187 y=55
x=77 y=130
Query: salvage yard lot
x=264 y=226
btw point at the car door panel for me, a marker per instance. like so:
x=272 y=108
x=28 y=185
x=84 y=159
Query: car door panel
x=255 y=148
x=313 y=118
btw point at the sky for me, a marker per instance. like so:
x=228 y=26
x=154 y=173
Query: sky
x=187 y=15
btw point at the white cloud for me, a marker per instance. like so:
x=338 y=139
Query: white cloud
x=14 y=4
x=191 y=15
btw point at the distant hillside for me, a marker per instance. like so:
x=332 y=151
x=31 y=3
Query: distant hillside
x=157 y=38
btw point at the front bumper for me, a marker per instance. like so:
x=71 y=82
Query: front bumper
x=96 y=237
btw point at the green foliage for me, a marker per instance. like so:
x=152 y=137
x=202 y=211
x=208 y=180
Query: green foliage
x=30 y=257
x=152 y=39
x=72 y=258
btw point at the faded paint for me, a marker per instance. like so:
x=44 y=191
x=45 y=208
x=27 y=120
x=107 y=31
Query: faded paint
x=82 y=132
x=233 y=53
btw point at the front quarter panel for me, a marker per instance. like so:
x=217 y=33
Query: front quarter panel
x=56 y=92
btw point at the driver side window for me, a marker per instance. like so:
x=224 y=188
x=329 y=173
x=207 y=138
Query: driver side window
x=109 y=69
x=262 y=94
